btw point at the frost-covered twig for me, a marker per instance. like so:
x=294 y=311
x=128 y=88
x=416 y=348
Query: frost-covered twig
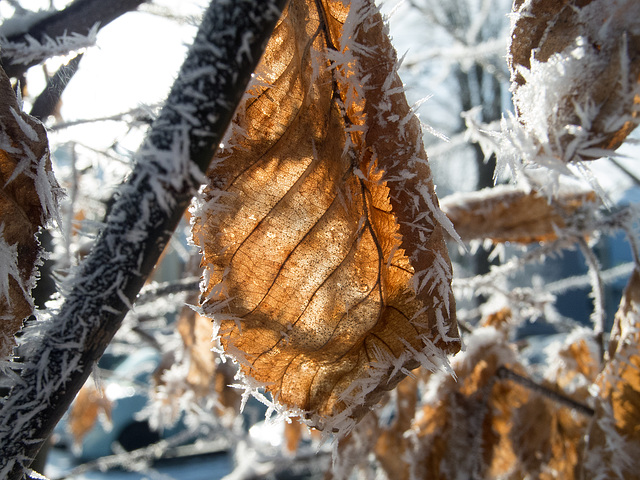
x=145 y=455
x=49 y=98
x=59 y=352
x=507 y=374
x=156 y=290
x=143 y=114
x=598 y=317
x=66 y=28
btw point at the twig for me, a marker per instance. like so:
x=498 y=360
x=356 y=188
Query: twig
x=155 y=290
x=79 y=17
x=140 y=114
x=506 y=374
x=49 y=98
x=597 y=286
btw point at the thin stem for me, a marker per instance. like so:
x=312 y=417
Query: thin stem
x=78 y=17
x=506 y=374
x=597 y=286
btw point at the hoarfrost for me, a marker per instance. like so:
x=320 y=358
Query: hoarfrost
x=35 y=51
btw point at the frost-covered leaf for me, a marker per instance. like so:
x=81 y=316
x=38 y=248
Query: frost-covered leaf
x=207 y=376
x=511 y=214
x=27 y=201
x=193 y=376
x=575 y=67
x=327 y=275
x=547 y=437
x=392 y=442
x=464 y=428
x=614 y=434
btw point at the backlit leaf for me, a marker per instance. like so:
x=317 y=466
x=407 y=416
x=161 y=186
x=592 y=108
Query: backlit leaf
x=327 y=275
x=27 y=200
x=85 y=411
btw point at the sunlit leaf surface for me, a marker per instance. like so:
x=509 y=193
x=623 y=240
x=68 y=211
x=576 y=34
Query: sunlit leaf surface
x=326 y=269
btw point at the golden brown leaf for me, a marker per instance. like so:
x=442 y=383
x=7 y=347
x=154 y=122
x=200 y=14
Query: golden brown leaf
x=547 y=437
x=293 y=434
x=510 y=214
x=85 y=410
x=465 y=430
x=596 y=44
x=614 y=433
x=327 y=272
x=392 y=443
x=24 y=156
x=206 y=376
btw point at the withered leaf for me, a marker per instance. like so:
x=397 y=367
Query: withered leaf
x=591 y=49
x=510 y=214
x=614 y=434
x=464 y=430
x=204 y=377
x=86 y=410
x=547 y=436
x=26 y=180
x=327 y=273
x=478 y=425
x=392 y=442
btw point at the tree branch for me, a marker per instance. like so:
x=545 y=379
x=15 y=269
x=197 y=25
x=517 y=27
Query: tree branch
x=59 y=352
x=506 y=374
x=79 y=17
x=46 y=103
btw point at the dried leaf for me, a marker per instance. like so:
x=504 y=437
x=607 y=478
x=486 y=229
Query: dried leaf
x=614 y=434
x=205 y=376
x=24 y=207
x=293 y=432
x=327 y=273
x=510 y=214
x=206 y=372
x=392 y=442
x=589 y=50
x=547 y=437
x=85 y=411
x=464 y=431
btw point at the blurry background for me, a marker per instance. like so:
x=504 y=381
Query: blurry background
x=454 y=67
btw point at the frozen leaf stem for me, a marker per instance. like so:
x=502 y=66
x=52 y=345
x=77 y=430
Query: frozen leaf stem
x=61 y=350
x=505 y=373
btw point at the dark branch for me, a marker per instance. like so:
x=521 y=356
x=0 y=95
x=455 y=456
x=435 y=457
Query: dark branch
x=506 y=374
x=79 y=17
x=49 y=98
x=59 y=355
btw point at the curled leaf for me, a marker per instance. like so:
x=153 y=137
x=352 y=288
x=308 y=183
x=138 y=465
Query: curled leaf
x=27 y=201
x=463 y=430
x=575 y=67
x=510 y=214
x=327 y=275
x=614 y=434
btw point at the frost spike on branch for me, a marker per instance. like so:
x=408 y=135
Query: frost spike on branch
x=77 y=20
x=145 y=211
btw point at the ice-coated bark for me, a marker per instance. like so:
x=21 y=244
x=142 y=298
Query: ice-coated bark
x=60 y=351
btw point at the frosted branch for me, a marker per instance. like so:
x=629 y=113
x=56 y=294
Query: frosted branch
x=66 y=28
x=598 y=316
x=59 y=352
